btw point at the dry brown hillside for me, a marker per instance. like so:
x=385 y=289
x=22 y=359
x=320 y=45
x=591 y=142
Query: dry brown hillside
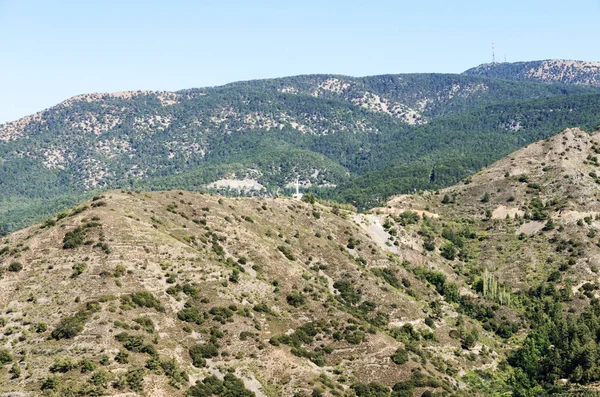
x=512 y=201
x=151 y=292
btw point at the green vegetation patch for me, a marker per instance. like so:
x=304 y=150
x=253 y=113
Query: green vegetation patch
x=211 y=386
x=199 y=353
x=70 y=326
x=141 y=299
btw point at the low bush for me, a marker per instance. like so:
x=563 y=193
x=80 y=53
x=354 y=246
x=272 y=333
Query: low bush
x=400 y=356
x=70 y=326
x=74 y=238
x=212 y=386
x=5 y=356
x=287 y=252
x=296 y=299
x=142 y=299
x=78 y=269
x=199 y=353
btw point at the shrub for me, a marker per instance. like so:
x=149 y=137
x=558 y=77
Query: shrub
x=146 y=323
x=142 y=299
x=191 y=290
x=15 y=370
x=100 y=378
x=119 y=271
x=190 y=315
x=136 y=344
x=212 y=386
x=49 y=223
x=287 y=252
x=5 y=356
x=449 y=251
x=134 y=379
x=74 y=238
x=63 y=365
x=429 y=322
x=371 y=390
x=347 y=292
x=429 y=243
x=450 y=292
x=296 y=299
x=400 y=356
x=408 y=218
x=234 y=277
x=262 y=308
x=70 y=326
x=104 y=247
x=437 y=279
x=86 y=366
x=222 y=313
x=404 y=389
x=405 y=333
x=78 y=269
x=41 y=327
x=50 y=383
x=15 y=267
x=122 y=357
x=309 y=198
x=549 y=225
x=199 y=353
x=174 y=373
x=389 y=276
x=470 y=339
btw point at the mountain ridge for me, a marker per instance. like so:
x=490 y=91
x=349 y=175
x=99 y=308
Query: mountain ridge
x=335 y=134
x=547 y=71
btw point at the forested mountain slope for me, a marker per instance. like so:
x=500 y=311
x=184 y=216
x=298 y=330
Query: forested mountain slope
x=547 y=71
x=260 y=136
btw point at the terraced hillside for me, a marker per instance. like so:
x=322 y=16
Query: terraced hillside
x=485 y=288
x=150 y=293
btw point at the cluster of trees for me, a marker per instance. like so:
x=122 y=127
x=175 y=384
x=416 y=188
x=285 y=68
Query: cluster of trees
x=558 y=346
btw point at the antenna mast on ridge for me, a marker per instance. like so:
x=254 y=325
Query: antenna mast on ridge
x=493 y=53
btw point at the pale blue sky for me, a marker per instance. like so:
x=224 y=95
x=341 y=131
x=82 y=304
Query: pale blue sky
x=52 y=50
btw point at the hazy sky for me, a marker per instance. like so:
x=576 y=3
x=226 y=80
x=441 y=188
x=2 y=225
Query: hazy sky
x=52 y=50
